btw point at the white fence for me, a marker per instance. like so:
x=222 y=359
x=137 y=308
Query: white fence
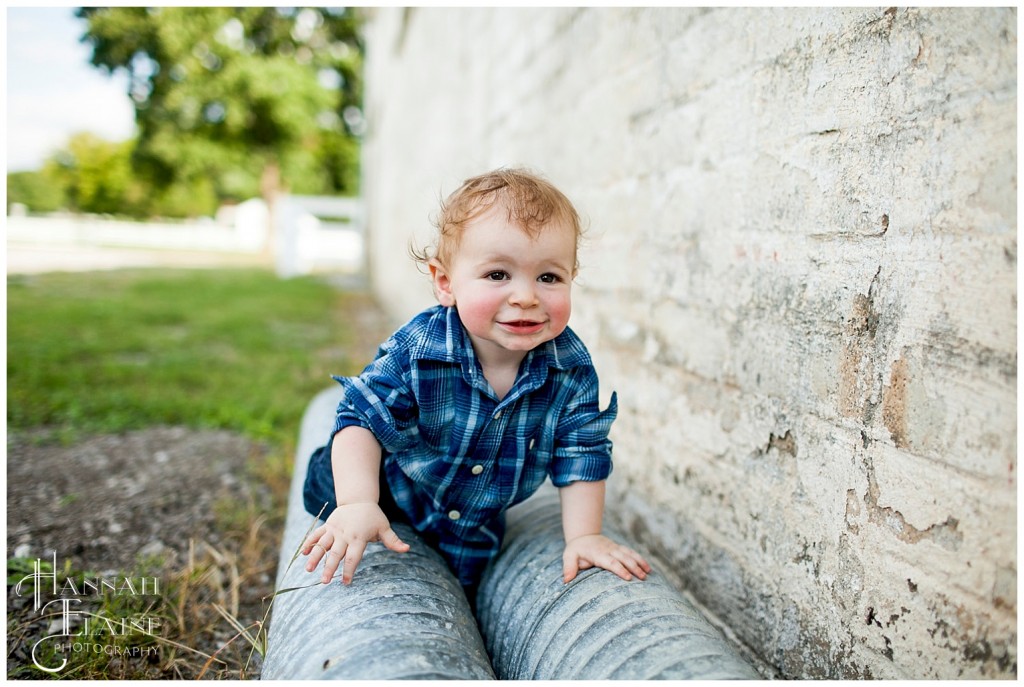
x=85 y=230
x=312 y=234
x=318 y=234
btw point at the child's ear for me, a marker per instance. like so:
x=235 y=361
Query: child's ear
x=442 y=283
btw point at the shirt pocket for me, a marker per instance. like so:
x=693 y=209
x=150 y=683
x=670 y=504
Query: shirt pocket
x=533 y=456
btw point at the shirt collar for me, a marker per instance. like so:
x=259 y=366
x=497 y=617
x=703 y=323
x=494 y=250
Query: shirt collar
x=445 y=339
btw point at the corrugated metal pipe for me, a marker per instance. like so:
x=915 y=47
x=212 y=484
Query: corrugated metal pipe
x=597 y=627
x=403 y=617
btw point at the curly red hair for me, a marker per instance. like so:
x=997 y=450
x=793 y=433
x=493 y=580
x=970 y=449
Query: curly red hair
x=531 y=202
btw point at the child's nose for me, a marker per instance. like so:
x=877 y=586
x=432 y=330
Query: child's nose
x=523 y=294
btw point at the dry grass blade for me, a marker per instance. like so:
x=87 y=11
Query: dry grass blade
x=261 y=645
x=241 y=631
x=298 y=552
x=233 y=621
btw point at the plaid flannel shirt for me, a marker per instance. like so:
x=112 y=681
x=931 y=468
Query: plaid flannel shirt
x=455 y=457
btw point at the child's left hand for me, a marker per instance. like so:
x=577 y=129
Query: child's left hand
x=590 y=550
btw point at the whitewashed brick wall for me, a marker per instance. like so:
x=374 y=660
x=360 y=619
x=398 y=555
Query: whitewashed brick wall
x=800 y=277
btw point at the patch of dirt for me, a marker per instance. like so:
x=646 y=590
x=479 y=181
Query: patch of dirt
x=110 y=503
x=107 y=501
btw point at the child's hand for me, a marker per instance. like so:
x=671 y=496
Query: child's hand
x=344 y=536
x=598 y=550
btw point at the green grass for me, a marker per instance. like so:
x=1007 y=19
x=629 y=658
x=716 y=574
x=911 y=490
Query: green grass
x=108 y=352
x=113 y=351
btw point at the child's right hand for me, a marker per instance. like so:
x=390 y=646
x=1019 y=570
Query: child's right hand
x=344 y=536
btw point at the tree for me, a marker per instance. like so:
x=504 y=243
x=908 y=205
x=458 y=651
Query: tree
x=97 y=176
x=231 y=100
x=35 y=191
x=88 y=174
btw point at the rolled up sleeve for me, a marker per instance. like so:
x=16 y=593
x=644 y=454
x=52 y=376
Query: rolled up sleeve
x=380 y=400
x=582 y=450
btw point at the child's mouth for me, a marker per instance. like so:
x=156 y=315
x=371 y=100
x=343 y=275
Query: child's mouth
x=523 y=326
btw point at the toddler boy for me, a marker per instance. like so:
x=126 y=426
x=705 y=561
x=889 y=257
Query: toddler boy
x=473 y=403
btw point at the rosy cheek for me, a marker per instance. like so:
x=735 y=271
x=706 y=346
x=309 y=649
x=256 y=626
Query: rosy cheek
x=559 y=309
x=477 y=312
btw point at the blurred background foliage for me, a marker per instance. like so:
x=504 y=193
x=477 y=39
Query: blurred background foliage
x=230 y=103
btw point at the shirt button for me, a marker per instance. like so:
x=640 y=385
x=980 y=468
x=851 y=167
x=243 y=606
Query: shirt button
x=454 y=514
x=477 y=469
x=497 y=415
x=532 y=442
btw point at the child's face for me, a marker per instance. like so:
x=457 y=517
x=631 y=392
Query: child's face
x=512 y=291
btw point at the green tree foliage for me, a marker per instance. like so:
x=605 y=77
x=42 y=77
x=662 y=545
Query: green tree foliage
x=88 y=175
x=97 y=176
x=35 y=191
x=230 y=99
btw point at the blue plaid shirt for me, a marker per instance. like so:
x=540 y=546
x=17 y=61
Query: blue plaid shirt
x=456 y=457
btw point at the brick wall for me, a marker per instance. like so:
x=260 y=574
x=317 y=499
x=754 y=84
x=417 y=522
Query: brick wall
x=800 y=278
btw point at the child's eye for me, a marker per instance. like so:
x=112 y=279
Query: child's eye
x=549 y=278
x=497 y=275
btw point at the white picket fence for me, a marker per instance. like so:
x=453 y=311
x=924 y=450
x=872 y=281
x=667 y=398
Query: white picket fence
x=312 y=234
x=319 y=234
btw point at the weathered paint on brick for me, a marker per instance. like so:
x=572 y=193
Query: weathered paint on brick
x=800 y=277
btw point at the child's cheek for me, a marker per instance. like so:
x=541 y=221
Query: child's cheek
x=478 y=312
x=559 y=310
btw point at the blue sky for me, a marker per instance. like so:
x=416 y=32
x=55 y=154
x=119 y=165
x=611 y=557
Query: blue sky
x=53 y=91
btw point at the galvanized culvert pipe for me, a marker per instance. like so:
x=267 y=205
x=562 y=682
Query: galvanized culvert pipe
x=403 y=617
x=597 y=627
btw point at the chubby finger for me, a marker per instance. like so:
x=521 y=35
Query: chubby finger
x=352 y=558
x=614 y=565
x=640 y=560
x=633 y=561
x=391 y=540
x=635 y=565
x=332 y=559
x=318 y=550
x=570 y=566
x=312 y=539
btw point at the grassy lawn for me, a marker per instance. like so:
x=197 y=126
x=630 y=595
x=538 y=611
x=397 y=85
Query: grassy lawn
x=235 y=349
x=238 y=349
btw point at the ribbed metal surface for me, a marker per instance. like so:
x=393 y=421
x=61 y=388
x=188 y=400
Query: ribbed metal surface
x=598 y=627
x=403 y=617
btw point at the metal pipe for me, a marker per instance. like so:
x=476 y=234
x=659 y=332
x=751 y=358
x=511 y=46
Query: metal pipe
x=403 y=617
x=597 y=627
